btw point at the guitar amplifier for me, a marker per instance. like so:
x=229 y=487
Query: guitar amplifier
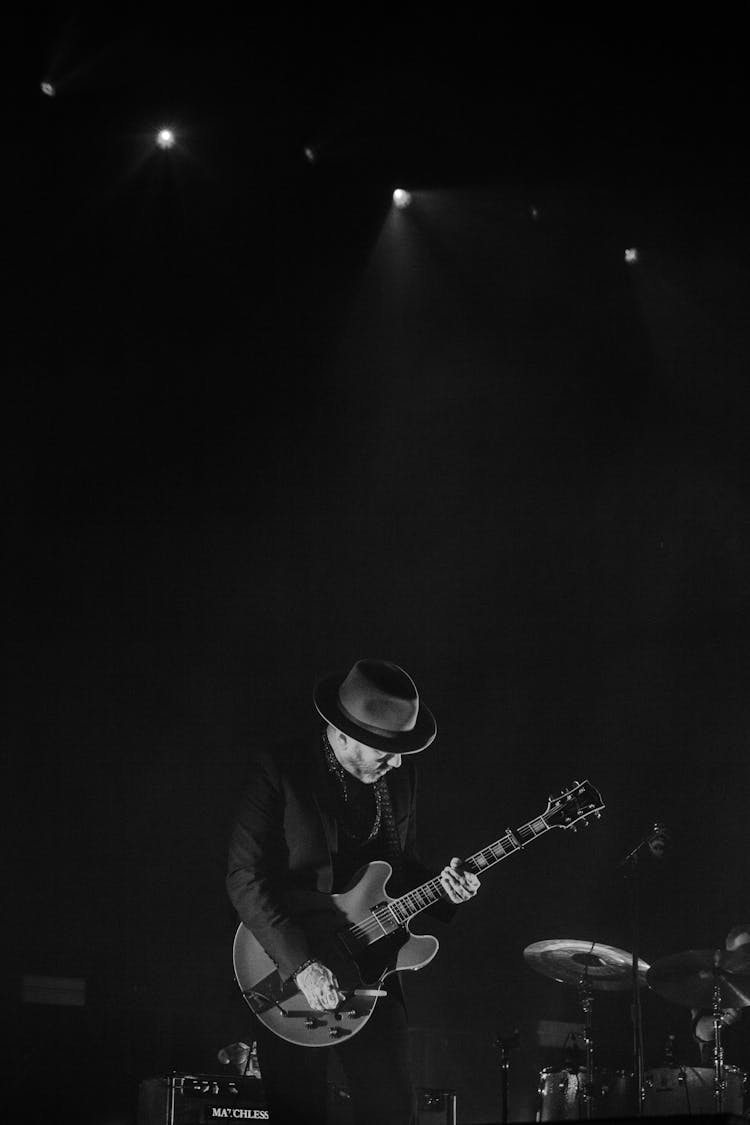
x=197 y=1099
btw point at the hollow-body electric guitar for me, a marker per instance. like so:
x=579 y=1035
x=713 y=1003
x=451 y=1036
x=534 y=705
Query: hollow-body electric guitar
x=363 y=934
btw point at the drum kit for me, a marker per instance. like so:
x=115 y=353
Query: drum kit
x=706 y=980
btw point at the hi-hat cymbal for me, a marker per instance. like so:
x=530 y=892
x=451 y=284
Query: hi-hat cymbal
x=689 y=977
x=570 y=962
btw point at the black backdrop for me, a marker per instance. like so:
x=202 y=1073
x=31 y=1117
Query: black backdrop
x=259 y=423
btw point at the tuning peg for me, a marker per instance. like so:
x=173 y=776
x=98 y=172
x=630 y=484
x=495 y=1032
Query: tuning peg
x=598 y=815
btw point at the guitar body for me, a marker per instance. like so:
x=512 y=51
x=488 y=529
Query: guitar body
x=346 y=937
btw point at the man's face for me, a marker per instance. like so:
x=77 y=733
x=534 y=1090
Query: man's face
x=362 y=761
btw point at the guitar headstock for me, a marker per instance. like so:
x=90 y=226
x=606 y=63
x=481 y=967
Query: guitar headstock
x=574 y=806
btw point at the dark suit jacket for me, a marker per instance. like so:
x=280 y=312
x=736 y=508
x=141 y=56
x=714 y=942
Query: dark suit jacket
x=283 y=840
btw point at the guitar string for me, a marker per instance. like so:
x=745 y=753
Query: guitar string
x=412 y=898
x=506 y=845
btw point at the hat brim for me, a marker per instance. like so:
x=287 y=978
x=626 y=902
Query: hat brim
x=326 y=699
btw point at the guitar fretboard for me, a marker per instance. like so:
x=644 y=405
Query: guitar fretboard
x=400 y=910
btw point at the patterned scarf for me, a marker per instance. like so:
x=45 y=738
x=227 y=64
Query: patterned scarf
x=366 y=810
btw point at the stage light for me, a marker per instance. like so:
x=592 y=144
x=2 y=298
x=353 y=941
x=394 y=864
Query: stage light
x=309 y=154
x=165 y=138
x=534 y=212
x=631 y=254
x=401 y=198
x=48 y=89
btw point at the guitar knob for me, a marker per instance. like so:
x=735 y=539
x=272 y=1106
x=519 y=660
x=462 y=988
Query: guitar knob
x=310 y=1023
x=333 y=1033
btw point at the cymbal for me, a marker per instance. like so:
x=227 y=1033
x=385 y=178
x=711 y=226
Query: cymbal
x=569 y=961
x=688 y=978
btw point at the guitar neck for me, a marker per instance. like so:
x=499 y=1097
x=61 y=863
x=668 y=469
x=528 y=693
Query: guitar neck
x=430 y=892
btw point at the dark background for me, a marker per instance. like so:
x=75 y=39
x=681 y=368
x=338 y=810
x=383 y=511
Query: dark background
x=258 y=424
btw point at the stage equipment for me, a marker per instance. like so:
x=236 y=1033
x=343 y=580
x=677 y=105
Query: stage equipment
x=692 y=977
x=569 y=961
x=243 y=1057
x=434 y=1107
x=505 y=1044
x=572 y=1095
x=655 y=843
x=690 y=1089
x=590 y=966
x=197 y=1099
x=364 y=934
x=711 y=979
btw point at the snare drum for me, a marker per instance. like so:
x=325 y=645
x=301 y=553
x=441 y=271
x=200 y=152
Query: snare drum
x=561 y=1094
x=669 y=1091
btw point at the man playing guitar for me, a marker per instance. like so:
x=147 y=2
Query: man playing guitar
x=313 y=814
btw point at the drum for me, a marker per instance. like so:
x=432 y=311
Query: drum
x=561 y=1094
x=690 y=1089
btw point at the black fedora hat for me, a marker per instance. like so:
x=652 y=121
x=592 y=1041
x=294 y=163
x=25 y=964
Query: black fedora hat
x=377 y=704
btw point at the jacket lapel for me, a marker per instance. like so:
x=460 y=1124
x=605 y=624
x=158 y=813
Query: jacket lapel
x=323 y=798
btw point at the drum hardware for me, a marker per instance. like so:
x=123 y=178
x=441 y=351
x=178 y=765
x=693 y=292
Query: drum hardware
x=691 y=978
x=656 y=843
x=566 y=960
x=506 y=1044
x=711 y=979
x=590 y=966
x=718 y=1049
x=669 y=1059
x=560 y=1094
x=586 y=998
x=689 y=1090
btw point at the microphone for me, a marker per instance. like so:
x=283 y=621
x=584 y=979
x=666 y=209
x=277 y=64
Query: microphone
x=659 y=840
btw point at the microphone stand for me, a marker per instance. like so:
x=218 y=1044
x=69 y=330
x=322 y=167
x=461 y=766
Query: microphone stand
x=506 y=1043
x=630 y=864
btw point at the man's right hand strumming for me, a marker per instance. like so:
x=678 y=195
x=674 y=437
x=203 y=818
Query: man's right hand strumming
x=319 y=986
